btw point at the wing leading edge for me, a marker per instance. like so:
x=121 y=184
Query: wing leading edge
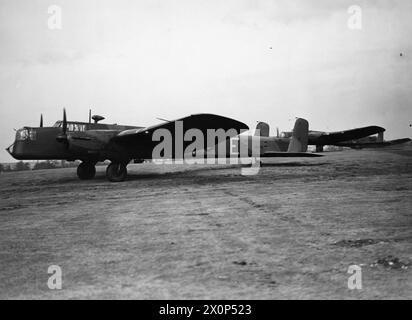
x=346 y=135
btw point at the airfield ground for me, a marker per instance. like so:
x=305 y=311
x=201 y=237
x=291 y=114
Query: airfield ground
x=208 y=232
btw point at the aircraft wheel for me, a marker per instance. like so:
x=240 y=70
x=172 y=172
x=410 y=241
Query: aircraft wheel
x=86 y=171
x=116 y=172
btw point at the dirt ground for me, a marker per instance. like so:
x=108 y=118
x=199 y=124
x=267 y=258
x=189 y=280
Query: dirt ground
x=209 y=232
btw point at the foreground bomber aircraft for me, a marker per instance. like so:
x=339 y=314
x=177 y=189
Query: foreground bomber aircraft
x=95 y=142
x=320 y=138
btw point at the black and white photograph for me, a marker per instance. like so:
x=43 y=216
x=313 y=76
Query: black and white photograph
x=186 y=151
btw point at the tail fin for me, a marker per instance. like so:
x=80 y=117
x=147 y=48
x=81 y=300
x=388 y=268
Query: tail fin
x=263 y=128
x=299 y=140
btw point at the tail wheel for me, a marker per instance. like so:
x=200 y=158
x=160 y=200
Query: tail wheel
x=116 y=172
x=86 y=171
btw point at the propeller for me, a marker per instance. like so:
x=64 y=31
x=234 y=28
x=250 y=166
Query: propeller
x=63 y=136
x=64 y=122
x=41 y=120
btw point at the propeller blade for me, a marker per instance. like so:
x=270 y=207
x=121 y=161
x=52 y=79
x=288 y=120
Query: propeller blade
x=64 y=122
x=63 y=136
x=41 y=121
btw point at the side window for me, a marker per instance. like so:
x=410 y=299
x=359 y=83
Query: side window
x=76 y=127
x=22 y=134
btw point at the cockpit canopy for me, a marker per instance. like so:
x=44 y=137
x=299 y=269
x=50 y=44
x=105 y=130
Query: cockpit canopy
x=71 y=126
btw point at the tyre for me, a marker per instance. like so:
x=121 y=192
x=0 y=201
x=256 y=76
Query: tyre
x=116 y=172
x=86 y=171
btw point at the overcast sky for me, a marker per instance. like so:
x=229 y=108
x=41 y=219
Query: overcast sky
x=133 y=61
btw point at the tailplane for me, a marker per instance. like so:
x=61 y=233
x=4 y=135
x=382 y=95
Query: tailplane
x=299 y=140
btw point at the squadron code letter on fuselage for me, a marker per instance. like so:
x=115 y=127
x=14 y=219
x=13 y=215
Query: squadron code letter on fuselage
x=176 y=310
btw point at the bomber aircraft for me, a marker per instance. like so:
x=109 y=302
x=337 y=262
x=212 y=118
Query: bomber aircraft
x=96 y=142
x=345 y=138
x=295 y=145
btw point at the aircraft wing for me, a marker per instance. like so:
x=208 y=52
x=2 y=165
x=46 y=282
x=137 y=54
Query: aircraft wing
x=330 y=138
x=142 y=138
x=360 y=145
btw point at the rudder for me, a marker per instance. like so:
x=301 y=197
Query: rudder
x=299 y=140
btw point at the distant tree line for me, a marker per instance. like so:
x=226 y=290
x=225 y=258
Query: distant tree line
x=44 y=165
x=39 y=165
x=19 y=166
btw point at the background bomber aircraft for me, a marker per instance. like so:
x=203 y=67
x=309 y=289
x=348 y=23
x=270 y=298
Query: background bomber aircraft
x=96 y=142
x=354 y=138
x=263 y=146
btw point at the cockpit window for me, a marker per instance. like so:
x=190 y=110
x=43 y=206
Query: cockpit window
x=22 y=134
x=26 y=134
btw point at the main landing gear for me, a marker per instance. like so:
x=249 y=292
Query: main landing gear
x=115 y=172
x=86 y=171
